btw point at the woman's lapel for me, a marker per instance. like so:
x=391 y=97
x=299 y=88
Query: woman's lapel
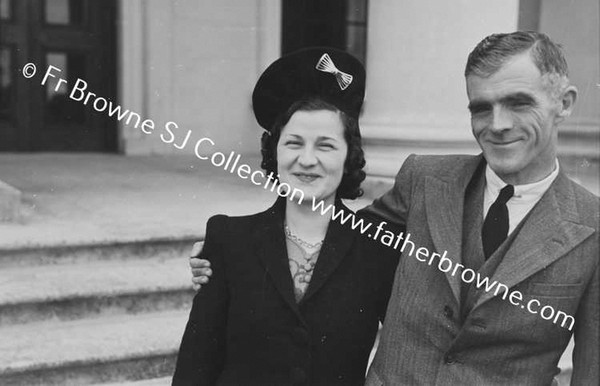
x=337 y=245
x=270 y=247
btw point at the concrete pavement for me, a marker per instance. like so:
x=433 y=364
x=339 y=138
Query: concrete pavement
x=98 y=198
x=95 y=198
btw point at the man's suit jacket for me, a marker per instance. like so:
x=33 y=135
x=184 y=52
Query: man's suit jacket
x=553 y=258
x=245 y=327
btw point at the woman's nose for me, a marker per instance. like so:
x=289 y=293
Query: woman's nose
x=307 y=158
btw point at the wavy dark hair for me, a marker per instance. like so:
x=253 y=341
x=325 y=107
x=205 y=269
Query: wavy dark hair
x=355 y=159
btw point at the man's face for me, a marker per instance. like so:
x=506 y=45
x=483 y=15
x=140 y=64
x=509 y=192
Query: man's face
x=514 y=119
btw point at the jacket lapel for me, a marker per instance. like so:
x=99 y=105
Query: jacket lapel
x=444 y=203
x=551 y=230
x=338 y=241
x=271 y=249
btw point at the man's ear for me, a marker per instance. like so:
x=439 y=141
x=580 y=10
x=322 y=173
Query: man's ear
x=567 y=101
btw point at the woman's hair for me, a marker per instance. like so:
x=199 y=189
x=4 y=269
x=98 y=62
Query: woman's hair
x=355 y=159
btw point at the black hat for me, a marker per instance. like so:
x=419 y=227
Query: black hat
x=319 y=72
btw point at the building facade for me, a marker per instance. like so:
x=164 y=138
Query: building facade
x=194 y=64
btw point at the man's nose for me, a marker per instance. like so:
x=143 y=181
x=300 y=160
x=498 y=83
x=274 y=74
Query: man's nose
x=308 y=157
x=501 y=119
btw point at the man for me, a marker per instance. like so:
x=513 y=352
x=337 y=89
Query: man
x=509 y=215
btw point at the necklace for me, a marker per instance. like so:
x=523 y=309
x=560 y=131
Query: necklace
x=298 y=240
x=306 y=267
x=303 y=264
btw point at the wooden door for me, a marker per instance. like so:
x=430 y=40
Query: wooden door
x=76 y=36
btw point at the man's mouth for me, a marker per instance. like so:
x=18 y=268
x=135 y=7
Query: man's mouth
x=504 y=143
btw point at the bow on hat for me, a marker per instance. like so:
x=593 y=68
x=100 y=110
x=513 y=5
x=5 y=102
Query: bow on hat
x=325 y=64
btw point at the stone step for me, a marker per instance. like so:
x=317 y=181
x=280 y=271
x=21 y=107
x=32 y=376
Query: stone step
x=108 y=349
x=85 y=253
x=73 y=291
x=163 y=381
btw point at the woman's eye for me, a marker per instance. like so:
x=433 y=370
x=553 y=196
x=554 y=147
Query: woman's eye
x=292 y=143
x=326 y=146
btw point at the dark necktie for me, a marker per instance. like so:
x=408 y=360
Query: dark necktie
x=495 y=226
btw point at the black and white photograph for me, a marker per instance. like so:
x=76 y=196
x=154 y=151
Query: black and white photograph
x=299 y=192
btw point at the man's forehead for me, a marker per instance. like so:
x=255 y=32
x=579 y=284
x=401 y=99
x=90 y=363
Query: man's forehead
x=518 y=75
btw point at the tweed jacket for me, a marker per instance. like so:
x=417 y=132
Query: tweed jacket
x=553 y=258
x=245 y=326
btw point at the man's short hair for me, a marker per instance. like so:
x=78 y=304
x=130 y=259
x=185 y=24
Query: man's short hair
x=493 y=51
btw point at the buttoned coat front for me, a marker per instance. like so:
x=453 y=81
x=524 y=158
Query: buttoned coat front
x=554 y=259
x=245 y=326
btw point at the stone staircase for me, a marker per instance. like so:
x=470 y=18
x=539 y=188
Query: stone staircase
x=105 y=314
x=93 y=314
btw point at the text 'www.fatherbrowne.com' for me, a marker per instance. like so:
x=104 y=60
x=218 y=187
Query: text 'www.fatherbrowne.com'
x=399 y=241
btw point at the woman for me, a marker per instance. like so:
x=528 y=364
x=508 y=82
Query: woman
x=295 y=298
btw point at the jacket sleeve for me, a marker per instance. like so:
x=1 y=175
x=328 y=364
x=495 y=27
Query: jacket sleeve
x=586 y=358
x=393 y=206
x=202 y=352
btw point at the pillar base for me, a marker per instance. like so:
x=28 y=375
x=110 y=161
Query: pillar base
x=10 y=203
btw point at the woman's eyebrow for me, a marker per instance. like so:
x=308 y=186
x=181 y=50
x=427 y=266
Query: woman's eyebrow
x=325 y=137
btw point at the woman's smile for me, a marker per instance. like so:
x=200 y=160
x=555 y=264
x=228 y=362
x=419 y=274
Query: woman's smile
x=307 y=178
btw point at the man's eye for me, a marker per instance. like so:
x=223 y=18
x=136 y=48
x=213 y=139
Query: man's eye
x=520 y=104
x=479 y=110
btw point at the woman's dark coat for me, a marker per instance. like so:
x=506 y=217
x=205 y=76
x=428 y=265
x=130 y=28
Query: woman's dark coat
x=245 y=326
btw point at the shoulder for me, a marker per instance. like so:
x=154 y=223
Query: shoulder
x=388 y=233
x=417 y=168
x=442 y=164
x=221 y=224
x=588 y=204
x=216 y=228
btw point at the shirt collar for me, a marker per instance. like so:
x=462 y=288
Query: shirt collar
x=536 y=189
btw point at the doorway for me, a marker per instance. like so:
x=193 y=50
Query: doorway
x=334 y=23
x=76 y=36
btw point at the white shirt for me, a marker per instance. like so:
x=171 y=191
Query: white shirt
x=524 y=199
